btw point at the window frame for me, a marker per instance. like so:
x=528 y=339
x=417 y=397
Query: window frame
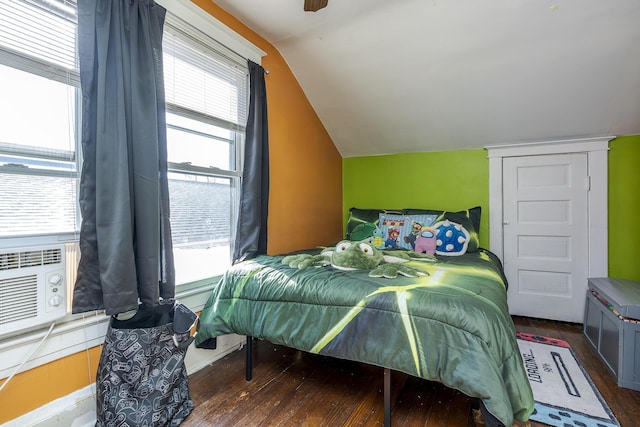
x=192 y=36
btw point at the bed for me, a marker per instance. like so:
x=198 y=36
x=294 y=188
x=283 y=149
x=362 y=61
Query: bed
x=451 y=325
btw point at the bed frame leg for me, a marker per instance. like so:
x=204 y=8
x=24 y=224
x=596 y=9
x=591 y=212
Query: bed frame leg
x=248 y=365
x=387 y=397
x=482 y=416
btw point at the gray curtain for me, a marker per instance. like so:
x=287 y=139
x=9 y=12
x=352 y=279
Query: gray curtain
x=125 y=237
x=251 y=231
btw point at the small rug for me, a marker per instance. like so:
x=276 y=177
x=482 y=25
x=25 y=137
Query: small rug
x=564 y=393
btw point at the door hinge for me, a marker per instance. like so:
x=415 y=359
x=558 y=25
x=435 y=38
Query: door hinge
x=588 y=183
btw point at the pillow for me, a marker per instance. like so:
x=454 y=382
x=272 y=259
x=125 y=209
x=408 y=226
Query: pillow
x=400 y=231
x=451 y=239
x=469 y=219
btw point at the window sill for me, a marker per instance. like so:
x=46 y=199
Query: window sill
x=195 y=294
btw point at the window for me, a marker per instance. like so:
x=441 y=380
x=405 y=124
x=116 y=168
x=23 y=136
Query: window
x=206 y=89
x=39 y=82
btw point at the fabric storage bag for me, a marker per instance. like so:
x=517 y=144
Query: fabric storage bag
x=141 y=378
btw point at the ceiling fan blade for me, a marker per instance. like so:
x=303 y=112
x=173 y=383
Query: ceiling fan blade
x=314 y=5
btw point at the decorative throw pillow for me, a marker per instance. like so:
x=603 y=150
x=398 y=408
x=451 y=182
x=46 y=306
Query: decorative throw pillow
x=451 y=239
x=400 y=231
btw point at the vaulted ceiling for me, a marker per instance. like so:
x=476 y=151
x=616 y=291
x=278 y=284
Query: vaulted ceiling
x=390 y=76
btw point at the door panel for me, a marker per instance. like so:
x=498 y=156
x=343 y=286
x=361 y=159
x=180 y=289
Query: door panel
x=544 y=282
x=545 y=235
x=545 y=248
x=544 y=212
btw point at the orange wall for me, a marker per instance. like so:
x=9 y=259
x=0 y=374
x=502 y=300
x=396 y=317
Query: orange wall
x=305 y=196
x=306 y=169
x=38 y=386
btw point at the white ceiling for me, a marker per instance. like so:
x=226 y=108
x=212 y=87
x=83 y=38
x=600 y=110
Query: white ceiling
x=390 y=76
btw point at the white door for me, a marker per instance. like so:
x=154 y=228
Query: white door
x=545 y=229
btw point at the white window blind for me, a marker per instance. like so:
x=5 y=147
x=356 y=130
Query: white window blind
x=39 y=36
x=39 y=82
x=203 y=78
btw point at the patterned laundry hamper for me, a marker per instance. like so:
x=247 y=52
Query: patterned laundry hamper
x=141 y=378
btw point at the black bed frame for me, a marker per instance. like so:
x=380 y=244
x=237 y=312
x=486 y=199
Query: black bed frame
x=489 y=419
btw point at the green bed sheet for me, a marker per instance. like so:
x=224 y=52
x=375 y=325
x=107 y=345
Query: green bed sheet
x=452 y=326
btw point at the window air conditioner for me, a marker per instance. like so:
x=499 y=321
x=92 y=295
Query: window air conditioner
x=33 y=287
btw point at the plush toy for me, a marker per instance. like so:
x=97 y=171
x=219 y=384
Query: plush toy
x=362 y=255
x=452 y=239
x=378 y=238
x=426 y=241
x=363 y=231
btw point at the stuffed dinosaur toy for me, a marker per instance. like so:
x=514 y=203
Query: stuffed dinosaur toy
x=362 y=255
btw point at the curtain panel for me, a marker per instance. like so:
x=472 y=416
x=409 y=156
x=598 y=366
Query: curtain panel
x=125 y=236
x=251 y=231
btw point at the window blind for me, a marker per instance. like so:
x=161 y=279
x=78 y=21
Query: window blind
x=203 y=80
x=26 y=42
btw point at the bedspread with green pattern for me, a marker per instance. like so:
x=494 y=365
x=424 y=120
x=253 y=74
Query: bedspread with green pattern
x=451 y=326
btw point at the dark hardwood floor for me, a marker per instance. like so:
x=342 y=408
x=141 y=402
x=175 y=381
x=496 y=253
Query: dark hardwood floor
x=293 y=388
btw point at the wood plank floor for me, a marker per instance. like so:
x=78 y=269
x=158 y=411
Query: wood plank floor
x=293 y=388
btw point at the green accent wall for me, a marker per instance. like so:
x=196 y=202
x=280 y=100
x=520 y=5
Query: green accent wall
x=458 y=180
x=624 y=207
x=448 y=180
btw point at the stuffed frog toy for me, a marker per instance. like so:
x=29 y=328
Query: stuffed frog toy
x=362 y=255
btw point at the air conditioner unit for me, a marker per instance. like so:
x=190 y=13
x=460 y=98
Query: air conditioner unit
x=32 y=287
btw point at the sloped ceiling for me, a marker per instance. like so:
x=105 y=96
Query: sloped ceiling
x=390 y=76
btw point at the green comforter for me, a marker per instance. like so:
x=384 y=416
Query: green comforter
x=452 y=326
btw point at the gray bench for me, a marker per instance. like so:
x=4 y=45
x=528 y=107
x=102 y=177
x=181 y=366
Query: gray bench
x=612 y=327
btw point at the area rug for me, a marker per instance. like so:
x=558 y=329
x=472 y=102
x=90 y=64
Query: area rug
x=564 y=393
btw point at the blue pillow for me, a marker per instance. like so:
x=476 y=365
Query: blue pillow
x=452 y=239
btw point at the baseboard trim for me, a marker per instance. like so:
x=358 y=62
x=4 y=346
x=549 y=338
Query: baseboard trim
x=62 y=412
